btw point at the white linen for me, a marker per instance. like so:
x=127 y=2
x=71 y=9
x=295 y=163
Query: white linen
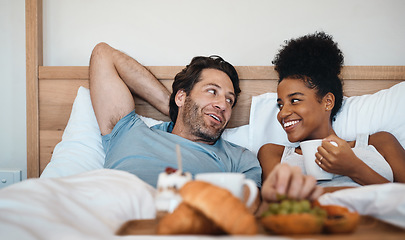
x=383 y=201
x=92 y=204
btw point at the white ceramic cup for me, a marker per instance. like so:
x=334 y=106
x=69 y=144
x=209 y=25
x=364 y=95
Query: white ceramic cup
x=309 y=148
x=233 y=182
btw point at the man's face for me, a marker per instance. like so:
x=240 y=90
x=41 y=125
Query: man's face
x=206 y=111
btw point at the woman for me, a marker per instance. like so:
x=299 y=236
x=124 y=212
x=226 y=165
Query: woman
x=309 y=96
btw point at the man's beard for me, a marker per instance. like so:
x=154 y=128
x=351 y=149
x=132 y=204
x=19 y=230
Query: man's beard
x=194 y=120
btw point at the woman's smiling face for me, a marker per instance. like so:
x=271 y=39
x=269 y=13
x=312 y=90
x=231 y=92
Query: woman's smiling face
x=303 y=115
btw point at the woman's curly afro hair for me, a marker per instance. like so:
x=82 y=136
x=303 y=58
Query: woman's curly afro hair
x=317 y=60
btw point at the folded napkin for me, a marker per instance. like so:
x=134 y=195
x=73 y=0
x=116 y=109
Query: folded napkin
x=383 y=201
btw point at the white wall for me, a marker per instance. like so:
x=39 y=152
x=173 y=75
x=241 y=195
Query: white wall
x=13 y=153
x=164 y=32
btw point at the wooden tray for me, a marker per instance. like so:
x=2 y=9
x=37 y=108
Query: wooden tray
x=368 y=228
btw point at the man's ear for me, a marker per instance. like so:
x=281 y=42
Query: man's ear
x=180 y=98
x=329 y=100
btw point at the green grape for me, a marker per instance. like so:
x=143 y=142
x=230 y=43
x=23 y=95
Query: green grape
x=283 y=211
x=266 y=213
x=286 y=205
x=306 y=205
x=273 y=208
x=320 y=212
x=281 y=197
x=296 y=207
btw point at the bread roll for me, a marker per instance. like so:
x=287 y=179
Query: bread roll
x=220 y=206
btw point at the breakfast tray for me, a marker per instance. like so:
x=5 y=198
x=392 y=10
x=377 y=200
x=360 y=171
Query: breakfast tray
x=368 y=228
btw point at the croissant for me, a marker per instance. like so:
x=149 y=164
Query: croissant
x=187 y=220
x=220 y=206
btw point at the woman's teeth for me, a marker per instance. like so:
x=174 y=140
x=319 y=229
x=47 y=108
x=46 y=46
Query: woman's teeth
x=290 y=123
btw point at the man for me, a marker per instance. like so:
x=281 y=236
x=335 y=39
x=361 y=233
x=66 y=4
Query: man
x=201 y=103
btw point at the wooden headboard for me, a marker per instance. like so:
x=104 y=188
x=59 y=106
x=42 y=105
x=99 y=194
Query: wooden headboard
x=52 y=90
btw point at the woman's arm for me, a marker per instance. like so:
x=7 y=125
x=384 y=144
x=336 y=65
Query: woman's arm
x=393 y=152
x=269 y=156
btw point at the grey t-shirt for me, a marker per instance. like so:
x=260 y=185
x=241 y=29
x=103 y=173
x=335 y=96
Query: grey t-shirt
x=134 y=147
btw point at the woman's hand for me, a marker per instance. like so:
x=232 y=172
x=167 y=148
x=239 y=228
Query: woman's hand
x=338 y=159
x=289 y=181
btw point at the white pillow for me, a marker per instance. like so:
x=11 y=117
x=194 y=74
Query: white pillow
x=381 y=111
x=237 y=135
x=366 y=114
x=81 y=148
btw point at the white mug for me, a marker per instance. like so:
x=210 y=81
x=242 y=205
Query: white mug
x=233 y=182
x=309 y=148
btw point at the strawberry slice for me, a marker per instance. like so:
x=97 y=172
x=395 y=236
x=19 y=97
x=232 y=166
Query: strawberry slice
x=170 y=170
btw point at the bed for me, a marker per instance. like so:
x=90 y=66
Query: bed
x=68 y=193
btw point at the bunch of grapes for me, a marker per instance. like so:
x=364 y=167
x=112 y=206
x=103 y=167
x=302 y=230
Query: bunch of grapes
x=288 y=206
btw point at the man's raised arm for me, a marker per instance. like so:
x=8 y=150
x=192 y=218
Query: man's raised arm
x=113 y=76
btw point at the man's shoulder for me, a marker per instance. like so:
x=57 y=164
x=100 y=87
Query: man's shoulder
x=234 y=147
x=163 y=126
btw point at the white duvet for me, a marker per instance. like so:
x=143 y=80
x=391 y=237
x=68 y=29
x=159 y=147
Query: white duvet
x=93 y=204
